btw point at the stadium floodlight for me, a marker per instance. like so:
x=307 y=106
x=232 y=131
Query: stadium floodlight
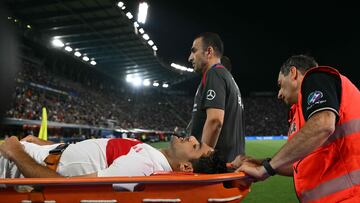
x=78 y=54
x=137 y=81
x=182 y=68
x=57 y=43
x=123 y=8
x=150 y=42
x=146 y=36
x=9 y=17
x=165 y=85
x=143 y=8
x=28 y=26
x=15 y=20
x=129 y=15
x=141 y=31
x=154 y=48
x=156 y=84
x=146 y=82
x=85 y=58
x=93 y=63
x=136 y=24
x=120 y=4
x=129 y=78
x=68 y=49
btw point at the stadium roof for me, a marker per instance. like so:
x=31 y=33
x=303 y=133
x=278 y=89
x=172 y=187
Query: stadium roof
x=98 y=29
x=258 y=35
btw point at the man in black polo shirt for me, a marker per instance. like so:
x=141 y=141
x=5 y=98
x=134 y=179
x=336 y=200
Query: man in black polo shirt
x=217 y=115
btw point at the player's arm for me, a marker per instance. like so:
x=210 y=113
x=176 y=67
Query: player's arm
x=212 y=126
x=36 y=140
x=13 y=150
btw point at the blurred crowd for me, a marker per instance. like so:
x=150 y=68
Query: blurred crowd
x=73 y=102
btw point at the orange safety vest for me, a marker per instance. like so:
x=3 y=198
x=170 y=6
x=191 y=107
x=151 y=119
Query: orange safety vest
x=331 y=173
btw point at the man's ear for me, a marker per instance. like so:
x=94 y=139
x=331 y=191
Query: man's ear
x=293 y=73
x=209 y=51
x=185 y=167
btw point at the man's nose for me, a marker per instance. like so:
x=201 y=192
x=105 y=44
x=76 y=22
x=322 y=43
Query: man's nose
x=193 y=139
x=190 y=59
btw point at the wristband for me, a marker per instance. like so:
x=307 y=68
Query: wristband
x=267 y=166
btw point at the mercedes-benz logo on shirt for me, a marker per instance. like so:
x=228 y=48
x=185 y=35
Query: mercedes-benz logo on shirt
x=210 y=94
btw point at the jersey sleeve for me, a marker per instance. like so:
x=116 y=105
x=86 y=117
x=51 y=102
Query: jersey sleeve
x=214 y=91
x=128 y=165
x=320 y=91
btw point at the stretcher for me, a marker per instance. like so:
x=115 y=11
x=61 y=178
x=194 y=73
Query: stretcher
x=160 y=187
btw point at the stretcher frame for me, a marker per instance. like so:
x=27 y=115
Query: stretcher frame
x=161 y=187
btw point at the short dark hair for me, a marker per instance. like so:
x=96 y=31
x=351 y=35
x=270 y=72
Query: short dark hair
x=226 y=62
x=301 y=62
x=210 y=164
x=213 y=40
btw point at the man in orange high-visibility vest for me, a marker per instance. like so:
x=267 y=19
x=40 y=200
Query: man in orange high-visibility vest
x=322 y=152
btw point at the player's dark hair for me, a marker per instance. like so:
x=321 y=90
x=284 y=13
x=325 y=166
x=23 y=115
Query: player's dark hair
x=210 y=164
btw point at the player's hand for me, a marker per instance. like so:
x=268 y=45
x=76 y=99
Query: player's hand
x=11 y=147
x=31 y=138
x=35 y=140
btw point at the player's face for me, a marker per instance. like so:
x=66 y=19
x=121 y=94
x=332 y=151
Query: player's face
x=188 y=148
x=197 y=56
x=287 y=89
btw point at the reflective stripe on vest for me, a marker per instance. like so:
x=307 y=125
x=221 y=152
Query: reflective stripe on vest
x=345 y=129
x=332 y=186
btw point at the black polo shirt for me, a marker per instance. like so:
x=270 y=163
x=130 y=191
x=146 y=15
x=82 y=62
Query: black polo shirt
x=219 y=90
x=320 y=91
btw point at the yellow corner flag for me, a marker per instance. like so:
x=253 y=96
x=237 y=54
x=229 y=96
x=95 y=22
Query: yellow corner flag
x=43 y=128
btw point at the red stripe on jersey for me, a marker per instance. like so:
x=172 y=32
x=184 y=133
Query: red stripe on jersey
x=117 y=147
x=203 y=80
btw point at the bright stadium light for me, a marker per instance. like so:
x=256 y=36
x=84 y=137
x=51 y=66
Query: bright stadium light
x=182 y=68
x=141 y=31
x=136 y=24
x=129 y=15
x=156 y=84
x=150 y=42
x=146 y=82
x=123 y=8
x=137 y=81
x=146 y=36
x=154 y=48
x=93 y=63
x=129 y=78
x=120 y=4
x=85 y=58
x=57 y=43
x=78 y=54
x=68 y=49
x=165 y=85
x=28 y=26
x=143 y=8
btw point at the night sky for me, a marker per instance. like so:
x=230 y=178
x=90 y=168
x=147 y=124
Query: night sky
x=259 y=35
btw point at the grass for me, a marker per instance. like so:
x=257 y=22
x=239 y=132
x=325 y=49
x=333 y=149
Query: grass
x=276 y=189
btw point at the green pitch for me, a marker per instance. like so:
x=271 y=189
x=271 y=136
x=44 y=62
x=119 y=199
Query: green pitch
x=276 y=189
